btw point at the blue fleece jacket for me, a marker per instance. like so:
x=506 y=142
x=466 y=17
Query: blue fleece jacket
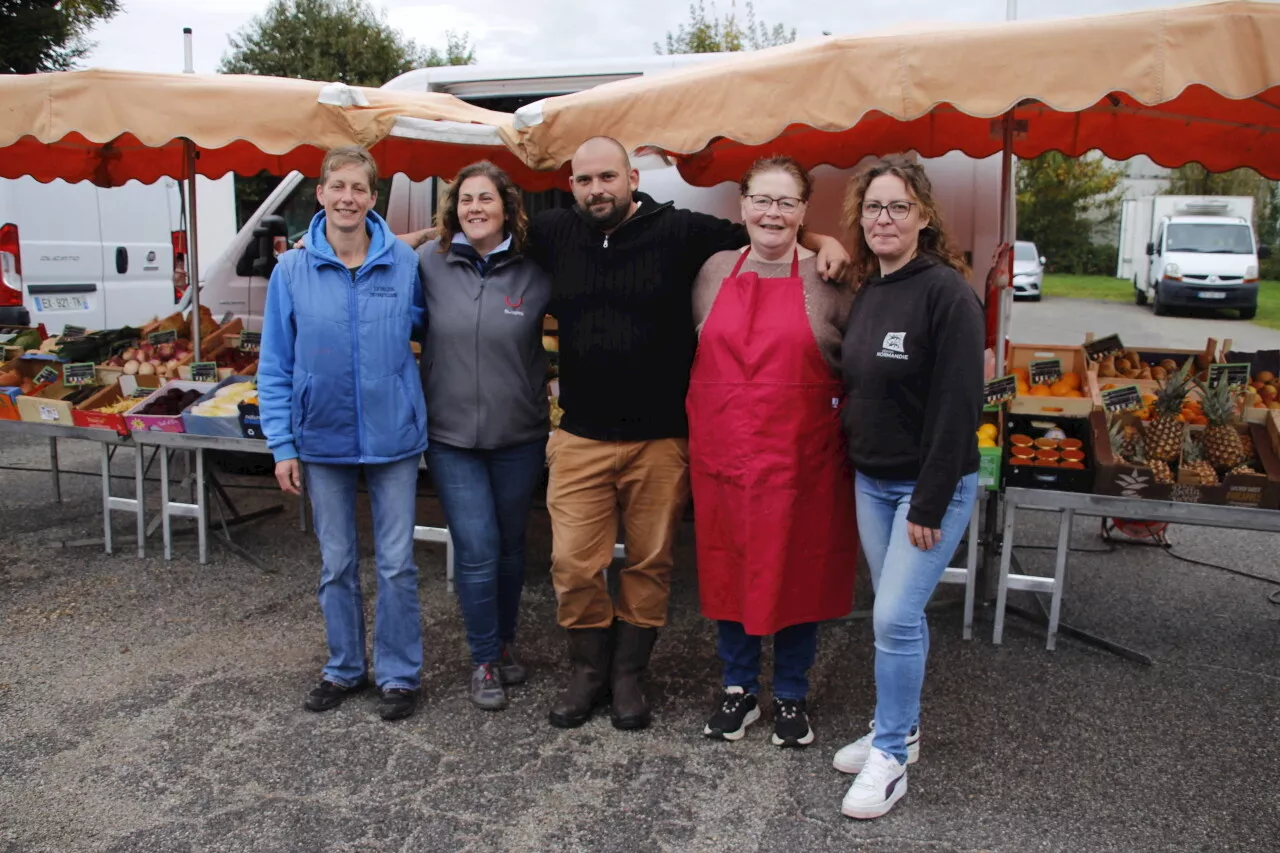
x=337 y=383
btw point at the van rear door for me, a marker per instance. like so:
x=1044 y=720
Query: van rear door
x=61 y=252
x=137 y=250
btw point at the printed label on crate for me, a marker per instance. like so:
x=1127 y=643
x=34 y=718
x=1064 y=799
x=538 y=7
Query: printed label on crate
x=1001 y=390
x=142 y=393
x=1126 y=398
x=168 y=336
x=1049 y=370
x=45 y=376
x=204 y=371
x=1099 y=349
x=1237 y=375
x=250 y=341
x=80 y=373
x=48 y=413
x=71 y=333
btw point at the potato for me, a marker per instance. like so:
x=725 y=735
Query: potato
x=1160 y=373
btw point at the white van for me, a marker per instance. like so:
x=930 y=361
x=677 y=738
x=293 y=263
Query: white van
x=967 y=190
x=77 y=254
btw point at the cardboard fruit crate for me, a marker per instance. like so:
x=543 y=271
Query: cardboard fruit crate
x=138 y=422
x=85 y=414
x=46 y=406
x=1073 y=362
x=27 y=367
x=227 y=427
x=989 y=457
x=1060 y=452
x=1124 y=479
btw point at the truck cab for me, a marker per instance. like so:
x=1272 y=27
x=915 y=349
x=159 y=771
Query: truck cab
x=1202 y=256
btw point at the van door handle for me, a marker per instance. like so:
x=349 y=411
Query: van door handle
x=122 y=260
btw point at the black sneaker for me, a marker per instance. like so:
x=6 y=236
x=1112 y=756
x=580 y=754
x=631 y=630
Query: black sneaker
x=397 y=703
x=737 y=710
x=328 y=695
x=510 y=669
x=791 y=723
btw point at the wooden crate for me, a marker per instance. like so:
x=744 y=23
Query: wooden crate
x=1073 y=361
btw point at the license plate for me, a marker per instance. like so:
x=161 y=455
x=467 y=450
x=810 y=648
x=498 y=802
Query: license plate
x=62 y=303
x=1212 y=294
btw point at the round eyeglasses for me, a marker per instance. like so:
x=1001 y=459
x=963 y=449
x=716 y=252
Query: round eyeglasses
x=897 y=209
x=786 y=204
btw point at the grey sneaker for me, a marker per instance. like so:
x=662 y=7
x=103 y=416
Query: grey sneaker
x=486 y=688
x=510 y=669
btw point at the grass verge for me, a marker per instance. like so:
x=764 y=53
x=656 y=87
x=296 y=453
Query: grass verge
x=1119 y=290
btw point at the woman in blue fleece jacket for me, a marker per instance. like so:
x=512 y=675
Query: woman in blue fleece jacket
x=340 y=394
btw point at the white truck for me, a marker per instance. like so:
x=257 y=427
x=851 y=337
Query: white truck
x=1191 y=252
x=101 y=258
x=967 y=190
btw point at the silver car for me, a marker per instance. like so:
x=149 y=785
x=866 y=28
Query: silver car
x=1028 y=271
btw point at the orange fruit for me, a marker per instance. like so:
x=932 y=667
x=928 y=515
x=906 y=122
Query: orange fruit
x=1039 y=391
x=1059 y=388
x=1024 y=376
x=1072 y=380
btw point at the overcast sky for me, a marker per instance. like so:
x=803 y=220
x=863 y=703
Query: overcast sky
x=147 y=34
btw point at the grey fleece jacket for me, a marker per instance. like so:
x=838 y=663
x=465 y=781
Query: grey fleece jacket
x=484 y=370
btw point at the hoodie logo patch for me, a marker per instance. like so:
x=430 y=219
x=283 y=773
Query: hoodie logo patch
x=513 y=308
x=894 y=346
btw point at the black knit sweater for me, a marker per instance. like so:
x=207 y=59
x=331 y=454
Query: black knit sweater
x=623 y=305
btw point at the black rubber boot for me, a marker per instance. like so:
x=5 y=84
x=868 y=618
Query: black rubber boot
x=632 y=647
x=589 y=682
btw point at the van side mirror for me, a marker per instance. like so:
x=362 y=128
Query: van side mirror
x=1042 y=260
x=1264 y=252
x=1151 y=249
x=259 y=257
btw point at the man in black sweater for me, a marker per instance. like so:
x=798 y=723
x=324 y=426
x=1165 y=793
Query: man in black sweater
x=622 y=267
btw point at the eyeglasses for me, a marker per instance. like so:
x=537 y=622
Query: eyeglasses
x=762 y=203
x=897 y=209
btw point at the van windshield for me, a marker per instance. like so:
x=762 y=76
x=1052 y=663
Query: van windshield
x=1227 y=238
x=1024 y=251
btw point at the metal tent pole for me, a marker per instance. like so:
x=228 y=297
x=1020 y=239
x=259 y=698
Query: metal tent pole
x=193 y=251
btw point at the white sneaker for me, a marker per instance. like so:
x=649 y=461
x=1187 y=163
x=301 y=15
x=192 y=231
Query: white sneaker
x=851 y=757
x=882 y=782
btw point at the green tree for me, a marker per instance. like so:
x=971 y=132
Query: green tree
x=347 y=41
x=1060 y=201
x=48 y=35
x=708 y=34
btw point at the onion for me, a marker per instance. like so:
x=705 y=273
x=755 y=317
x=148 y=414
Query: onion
x=128 y=354
x=131 y=367
x=146 y=369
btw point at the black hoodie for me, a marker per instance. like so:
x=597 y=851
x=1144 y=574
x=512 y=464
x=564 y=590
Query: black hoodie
x=912 y=365
x=623 y=304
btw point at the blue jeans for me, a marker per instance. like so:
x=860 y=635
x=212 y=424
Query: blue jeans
x=903 y=578
x=397 y=629
x=794 y=649
x=486 y=496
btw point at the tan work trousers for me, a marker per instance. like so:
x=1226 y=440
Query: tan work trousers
x=590 y=482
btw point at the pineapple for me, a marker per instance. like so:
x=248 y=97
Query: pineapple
x=1222 y=445
x=1194 y=463
x=1161 y=472
x=1126 y=442
x=1242 y=469
x=1163 y=433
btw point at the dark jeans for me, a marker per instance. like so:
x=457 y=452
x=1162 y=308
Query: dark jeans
x=794 y=649
x=486 y=496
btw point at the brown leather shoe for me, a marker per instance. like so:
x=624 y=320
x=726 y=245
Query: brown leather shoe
x=632 y=647
x=589 y=681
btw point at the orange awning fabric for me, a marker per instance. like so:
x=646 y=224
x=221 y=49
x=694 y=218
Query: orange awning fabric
x=109 y=127
x=1192 y=83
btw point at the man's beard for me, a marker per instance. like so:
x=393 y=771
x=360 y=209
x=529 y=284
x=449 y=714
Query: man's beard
x=613 y=218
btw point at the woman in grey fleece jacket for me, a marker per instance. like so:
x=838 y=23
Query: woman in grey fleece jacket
x=484 y=376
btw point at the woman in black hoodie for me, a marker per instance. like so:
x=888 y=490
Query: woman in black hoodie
x=912 y=364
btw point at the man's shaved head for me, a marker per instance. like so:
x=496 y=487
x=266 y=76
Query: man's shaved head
x=603 y=182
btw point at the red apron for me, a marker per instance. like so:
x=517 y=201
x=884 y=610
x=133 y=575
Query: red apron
x=772 y=486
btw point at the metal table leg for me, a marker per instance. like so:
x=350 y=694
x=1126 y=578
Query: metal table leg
x=971 y=574
x=106 y=497
x=164 y=502
x=1002 y=591
x=1059 y=575
x=202 y=511
x=53 y=466
x=139 y=495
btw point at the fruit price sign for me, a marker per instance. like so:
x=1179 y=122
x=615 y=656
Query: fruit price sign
x=45 y=376
x=168 y=336
x=250 y=341
x=140 y=393
x=1001 y=390
x=1099 y=349
x=81 y=373
x=1049 y=370
x=1126 y=398
x=204 y=371
x=71 y=333
x=1237 y=375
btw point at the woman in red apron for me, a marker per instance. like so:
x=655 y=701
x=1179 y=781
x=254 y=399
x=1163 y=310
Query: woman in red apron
x=772 y=488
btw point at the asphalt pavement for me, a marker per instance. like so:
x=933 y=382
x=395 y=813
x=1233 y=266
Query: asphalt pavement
x=155 y=706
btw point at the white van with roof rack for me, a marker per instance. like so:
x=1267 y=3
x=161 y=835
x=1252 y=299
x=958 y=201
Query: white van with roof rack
x=967 y=189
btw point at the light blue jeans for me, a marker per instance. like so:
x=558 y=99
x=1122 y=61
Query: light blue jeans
x=397 y=629
x=904 y=578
